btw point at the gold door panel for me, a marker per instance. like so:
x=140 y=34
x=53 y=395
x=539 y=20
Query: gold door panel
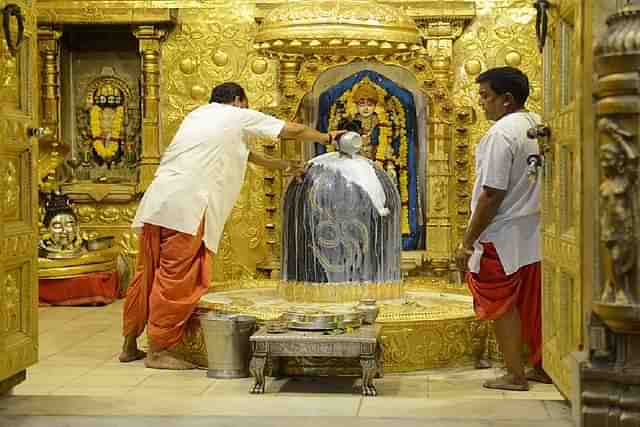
x=18 y=203
x=561 y=236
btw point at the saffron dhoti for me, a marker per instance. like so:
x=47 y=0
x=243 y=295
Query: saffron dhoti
x=172 y=274
x=495 y=293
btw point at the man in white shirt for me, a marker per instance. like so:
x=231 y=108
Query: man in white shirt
x=501 y=246
x=183 y=212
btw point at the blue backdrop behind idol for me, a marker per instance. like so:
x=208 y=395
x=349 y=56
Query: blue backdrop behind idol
x=327 y=100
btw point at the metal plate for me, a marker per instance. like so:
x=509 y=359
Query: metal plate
x=313 y=326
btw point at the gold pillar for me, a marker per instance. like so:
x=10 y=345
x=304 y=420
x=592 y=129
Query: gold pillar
x=275 y=182
x=447 y=190
x=48 y=44
x=150 y=39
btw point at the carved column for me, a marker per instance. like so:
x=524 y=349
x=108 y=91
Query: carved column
x=150 y=39
x=447 y=163
x=48 y=44
x=275 y=182
x=610 y=380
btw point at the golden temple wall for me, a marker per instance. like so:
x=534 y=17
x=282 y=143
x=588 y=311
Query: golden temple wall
x=212 y=42
x=503 y=33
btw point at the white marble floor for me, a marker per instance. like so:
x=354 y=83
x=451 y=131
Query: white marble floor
x=79 y=382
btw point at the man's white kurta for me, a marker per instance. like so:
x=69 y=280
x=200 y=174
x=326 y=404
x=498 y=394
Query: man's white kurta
x=502 y=163
x=202 y=170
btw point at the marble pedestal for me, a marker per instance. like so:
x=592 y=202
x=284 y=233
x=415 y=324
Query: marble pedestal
x=363 y=344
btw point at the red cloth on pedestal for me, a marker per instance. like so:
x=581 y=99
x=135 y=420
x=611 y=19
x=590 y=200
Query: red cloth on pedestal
x=494 y=293
x=88 y=289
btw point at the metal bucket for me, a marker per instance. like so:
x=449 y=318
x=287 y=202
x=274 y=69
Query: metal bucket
x=228 y=346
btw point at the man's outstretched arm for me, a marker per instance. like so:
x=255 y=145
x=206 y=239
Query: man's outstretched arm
x=304 y=133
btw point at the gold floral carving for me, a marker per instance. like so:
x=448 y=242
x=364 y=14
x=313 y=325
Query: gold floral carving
x=99 y=214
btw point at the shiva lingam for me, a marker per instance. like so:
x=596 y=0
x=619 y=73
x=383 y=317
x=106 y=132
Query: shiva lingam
x=62 y=238
x=341 y=230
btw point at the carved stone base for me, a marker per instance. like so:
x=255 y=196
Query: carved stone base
x=610 y=396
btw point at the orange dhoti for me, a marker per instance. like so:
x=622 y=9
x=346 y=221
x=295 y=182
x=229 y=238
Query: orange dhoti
x=171 y=276
x=495 y=293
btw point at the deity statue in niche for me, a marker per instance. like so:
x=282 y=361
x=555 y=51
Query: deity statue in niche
x=384 y=114
x=109 y=132
x=106 y=120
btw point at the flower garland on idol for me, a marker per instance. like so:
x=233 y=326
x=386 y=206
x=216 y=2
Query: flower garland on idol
x=106 y=151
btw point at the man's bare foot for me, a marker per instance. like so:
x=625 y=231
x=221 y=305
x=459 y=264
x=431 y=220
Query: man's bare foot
x=507 y=382
x=482 y=364
x=130 y=356
x=538 y=375
x=164 y=360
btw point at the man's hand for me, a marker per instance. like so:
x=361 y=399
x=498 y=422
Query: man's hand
x=334 y=135
x=462 y=257
x=295 y=168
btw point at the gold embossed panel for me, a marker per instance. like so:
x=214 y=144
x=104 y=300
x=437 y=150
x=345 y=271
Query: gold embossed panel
x=9 y=89
x=18 y=201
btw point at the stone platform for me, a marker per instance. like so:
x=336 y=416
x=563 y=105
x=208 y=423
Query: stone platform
x=432 y=326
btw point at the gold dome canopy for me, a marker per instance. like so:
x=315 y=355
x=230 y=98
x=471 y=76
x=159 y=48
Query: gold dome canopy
x=347 y=27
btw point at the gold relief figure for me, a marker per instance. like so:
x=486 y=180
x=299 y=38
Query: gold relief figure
x=618 y=160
